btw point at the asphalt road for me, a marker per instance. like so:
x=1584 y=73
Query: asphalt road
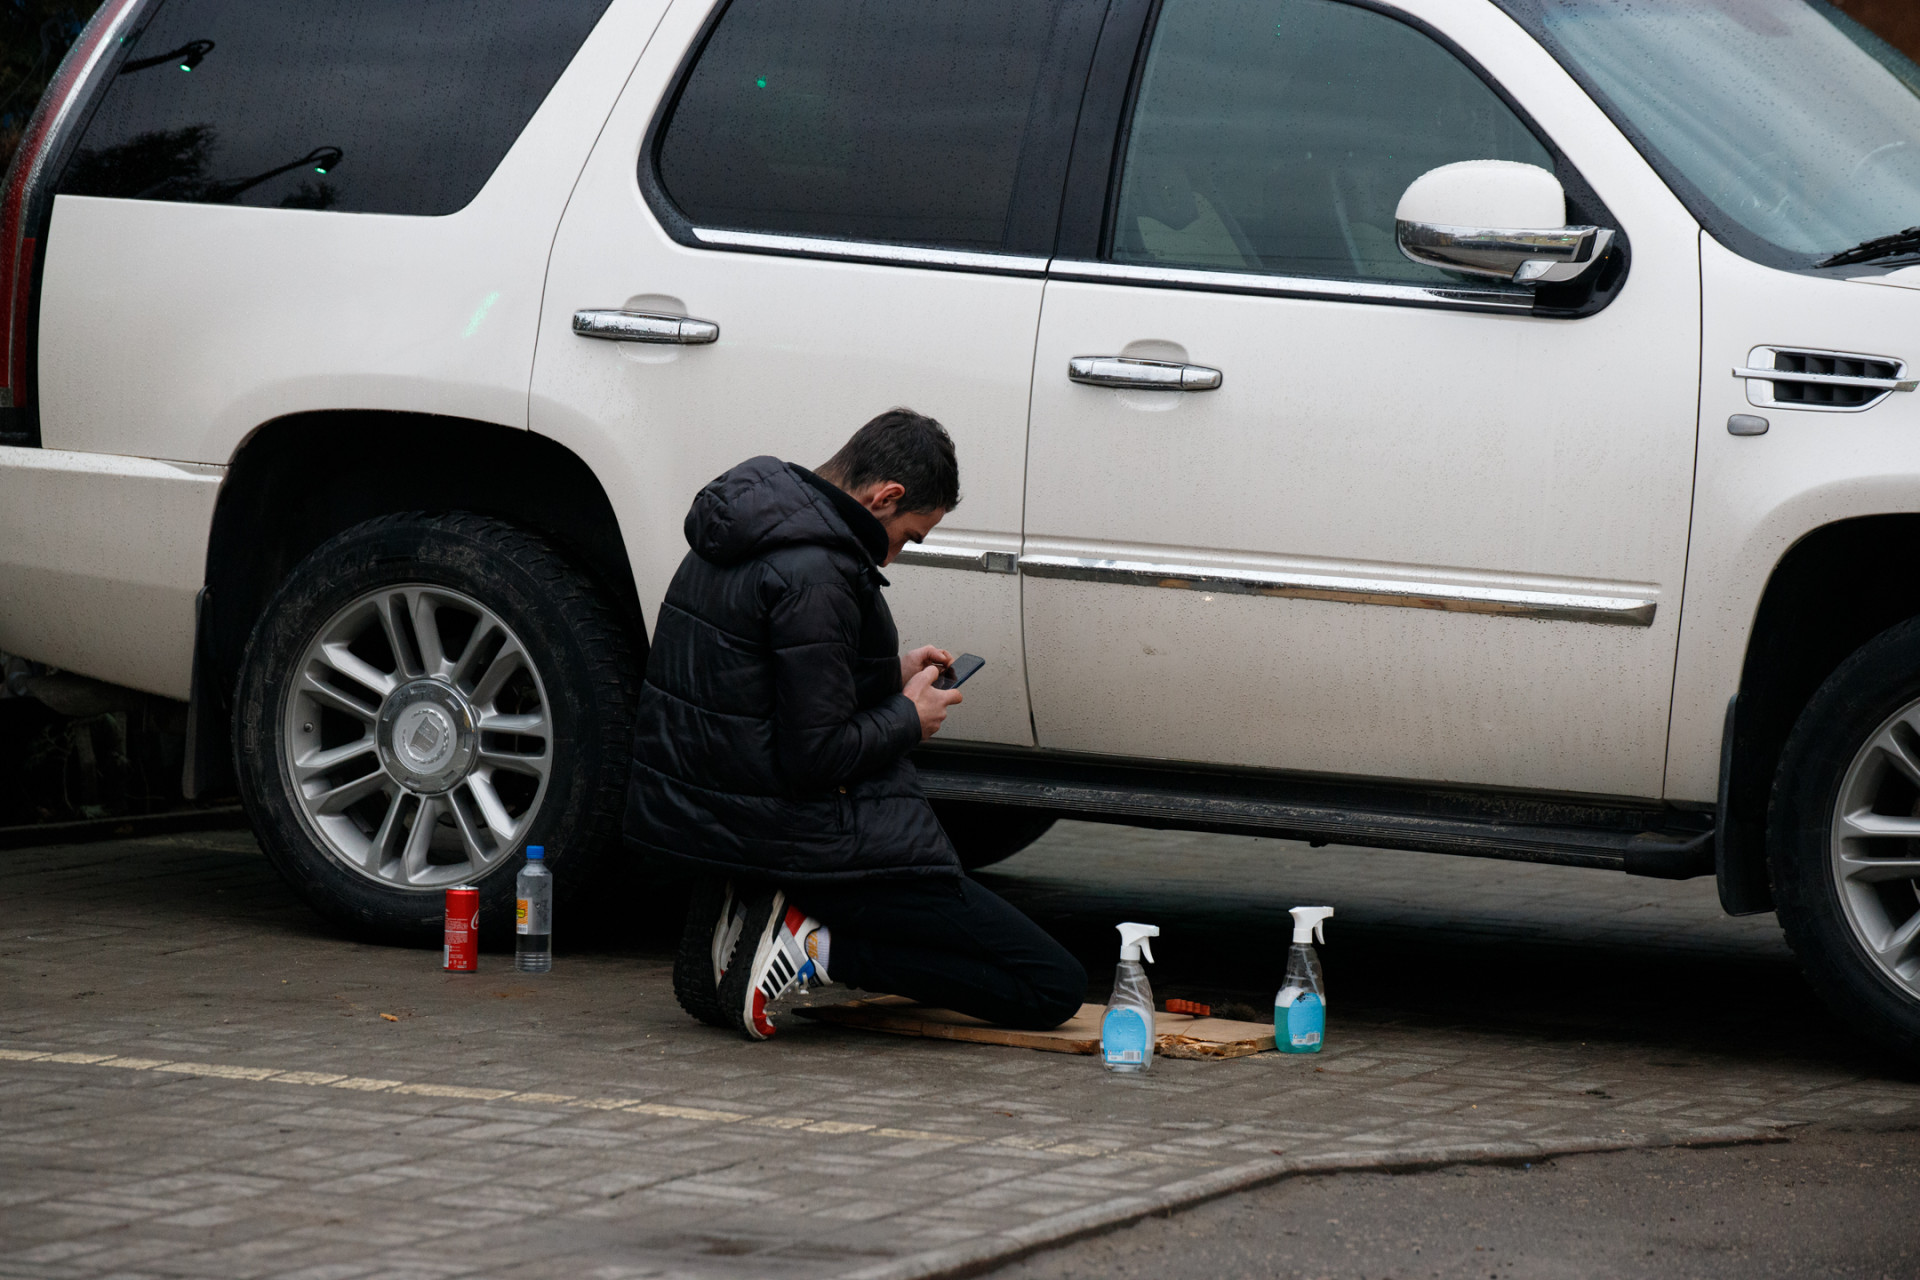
x=1827 y=1202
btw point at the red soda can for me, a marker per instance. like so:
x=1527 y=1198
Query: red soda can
x=463 y=929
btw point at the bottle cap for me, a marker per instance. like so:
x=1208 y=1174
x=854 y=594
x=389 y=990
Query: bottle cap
x=1133 y=940
x=536 y=853
x=1309 y=923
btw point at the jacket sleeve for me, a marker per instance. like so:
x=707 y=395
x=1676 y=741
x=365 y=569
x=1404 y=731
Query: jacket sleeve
x=822 y=737
x=875 y=680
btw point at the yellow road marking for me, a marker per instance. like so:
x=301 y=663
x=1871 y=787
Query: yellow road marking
x=920 y=1135
x=686 y=1113
x=368 y=1084
x=454 y=1091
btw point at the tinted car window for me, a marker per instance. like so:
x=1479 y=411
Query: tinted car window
x=891 y=120
x=365 y=106
x=1279 y=135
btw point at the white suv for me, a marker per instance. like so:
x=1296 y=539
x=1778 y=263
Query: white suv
x=1471 y=425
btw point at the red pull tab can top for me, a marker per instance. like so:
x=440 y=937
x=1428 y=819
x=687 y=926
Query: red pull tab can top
x=462 y=954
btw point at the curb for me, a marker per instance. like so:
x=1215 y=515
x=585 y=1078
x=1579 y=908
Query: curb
x=132 y=827
x=977 y=1257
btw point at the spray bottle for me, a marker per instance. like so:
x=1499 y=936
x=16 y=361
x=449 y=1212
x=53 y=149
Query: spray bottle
x=1300 y=1008
x=1126 y=1033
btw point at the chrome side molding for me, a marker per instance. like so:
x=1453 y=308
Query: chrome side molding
x=1623 y=610
x=959 y=558
x=644 y=326
x=1557 y=606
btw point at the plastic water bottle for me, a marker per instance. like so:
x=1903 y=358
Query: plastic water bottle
x=533 y=914
x=1300 y=1008
x=1126 y=1033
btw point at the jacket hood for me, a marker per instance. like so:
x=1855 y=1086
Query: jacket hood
x=764 y=504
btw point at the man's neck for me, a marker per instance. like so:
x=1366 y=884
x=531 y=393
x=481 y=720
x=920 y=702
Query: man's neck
x=862 y=523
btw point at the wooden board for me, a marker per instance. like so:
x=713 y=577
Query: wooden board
x=1176 y=1035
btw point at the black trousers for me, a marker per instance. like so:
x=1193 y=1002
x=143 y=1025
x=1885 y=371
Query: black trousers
x=949 y=943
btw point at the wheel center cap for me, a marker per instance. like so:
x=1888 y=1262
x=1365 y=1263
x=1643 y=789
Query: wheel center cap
x=427 y=737
x=423 y=734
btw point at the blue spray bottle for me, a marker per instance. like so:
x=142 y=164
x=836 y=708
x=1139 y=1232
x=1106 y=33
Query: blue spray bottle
x=1300 y=1008
x=1126 y=1033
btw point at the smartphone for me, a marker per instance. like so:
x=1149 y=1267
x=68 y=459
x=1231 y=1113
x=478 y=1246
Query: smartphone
x=960 y=672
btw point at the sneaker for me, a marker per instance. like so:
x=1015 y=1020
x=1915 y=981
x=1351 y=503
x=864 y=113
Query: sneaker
x=784 y=961
x=727 y=924
x=715 y=916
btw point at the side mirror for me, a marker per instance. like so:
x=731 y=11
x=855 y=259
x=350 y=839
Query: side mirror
x=1498 y=220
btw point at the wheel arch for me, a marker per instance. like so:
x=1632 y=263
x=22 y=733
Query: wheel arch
x=1836 y=588
x=296 y=481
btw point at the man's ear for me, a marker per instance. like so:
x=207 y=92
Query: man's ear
x=882 y=499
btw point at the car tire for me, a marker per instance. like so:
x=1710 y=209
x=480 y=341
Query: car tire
x=1843 y=840
x=983 y=834
x=446 y=666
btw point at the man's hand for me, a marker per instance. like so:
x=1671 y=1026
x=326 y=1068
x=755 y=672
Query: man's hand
x=912 y=664
x=931 y=703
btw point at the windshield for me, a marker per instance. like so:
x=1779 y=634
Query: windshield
x=1791 y=131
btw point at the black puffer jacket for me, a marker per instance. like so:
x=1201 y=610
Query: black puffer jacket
x=772 y=733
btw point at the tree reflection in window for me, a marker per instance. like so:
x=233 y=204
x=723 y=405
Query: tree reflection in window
x=143 y=165
x=171 y=164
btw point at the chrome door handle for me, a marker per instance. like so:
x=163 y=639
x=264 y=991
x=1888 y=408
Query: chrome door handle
x=644 y=326
x=1142 y=375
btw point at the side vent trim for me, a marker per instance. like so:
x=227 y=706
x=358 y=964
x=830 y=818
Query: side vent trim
x=1821 y=381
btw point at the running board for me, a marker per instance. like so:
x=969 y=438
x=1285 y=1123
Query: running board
x=1642 y=840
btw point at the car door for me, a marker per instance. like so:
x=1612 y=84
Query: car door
x=1421 y=528
x=855 y=201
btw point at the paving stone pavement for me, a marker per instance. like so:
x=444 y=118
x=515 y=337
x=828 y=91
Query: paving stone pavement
x=198 y=1080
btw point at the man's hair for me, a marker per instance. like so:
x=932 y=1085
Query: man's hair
x=902 y=446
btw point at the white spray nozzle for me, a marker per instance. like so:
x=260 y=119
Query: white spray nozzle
x=1309 y=923
x=1133 y=940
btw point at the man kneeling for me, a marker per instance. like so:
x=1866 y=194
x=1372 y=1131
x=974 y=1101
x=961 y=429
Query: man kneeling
x=772 y=745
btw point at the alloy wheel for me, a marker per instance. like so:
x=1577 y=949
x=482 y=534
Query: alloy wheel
x=1874 y=847
x=418 y=737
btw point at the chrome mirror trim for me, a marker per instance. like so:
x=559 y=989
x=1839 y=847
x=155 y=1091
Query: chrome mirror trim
x=1520 y=257
x=645 y=326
